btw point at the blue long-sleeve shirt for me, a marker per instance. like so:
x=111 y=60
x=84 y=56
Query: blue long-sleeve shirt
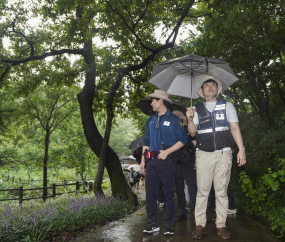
x=169 y=131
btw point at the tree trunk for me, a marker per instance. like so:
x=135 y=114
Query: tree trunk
x=120 y=187
x=45 y=162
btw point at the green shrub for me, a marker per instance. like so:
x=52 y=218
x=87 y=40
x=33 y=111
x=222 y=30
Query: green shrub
x=36 y=221
x=263 y=179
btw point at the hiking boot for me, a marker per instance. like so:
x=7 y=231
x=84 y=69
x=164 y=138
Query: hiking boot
x=198 y=232
x=168 y=231
x=181 y=218
x=224 y=233
x=151 y=228
x=232 y=211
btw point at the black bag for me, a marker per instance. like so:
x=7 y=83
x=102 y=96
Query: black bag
x=188 y=151
x=174 y=156
x=138 y=155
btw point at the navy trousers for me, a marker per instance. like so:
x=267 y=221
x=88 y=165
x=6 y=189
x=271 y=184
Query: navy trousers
x=160 y=197
x=160 y=172
x=185 y=171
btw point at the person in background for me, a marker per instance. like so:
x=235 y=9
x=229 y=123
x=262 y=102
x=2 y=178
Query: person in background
x=132 y=177
x=215 y=124
x=185 y=171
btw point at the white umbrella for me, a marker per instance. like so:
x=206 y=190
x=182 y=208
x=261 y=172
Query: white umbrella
x=183 y=76
x=135 y=167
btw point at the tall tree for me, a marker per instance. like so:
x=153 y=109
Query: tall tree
x=67 y=27
x=50 y=107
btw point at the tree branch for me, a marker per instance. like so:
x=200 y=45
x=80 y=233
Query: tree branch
x=183 y=16
x=4 y=73
x=51 y=111
x=132 y=31
x=58 y=109
x=38 y=113
x=64 y=117
x=43 y=56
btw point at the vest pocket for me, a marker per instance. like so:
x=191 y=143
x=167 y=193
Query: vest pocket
x=206 y=142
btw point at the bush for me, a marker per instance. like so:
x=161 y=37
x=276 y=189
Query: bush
x=36 y=221
x=263 y=179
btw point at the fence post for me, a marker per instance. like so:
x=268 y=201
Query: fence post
x=32 y=181
x=85 y=187
x=21 y=195
x=20 y=179
x=90 y=186
x=8 y=178
x=13 y=178
x=77 y=186
x=53 y=190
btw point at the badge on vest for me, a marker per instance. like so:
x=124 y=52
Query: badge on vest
x=220 y=116
x=166 y=123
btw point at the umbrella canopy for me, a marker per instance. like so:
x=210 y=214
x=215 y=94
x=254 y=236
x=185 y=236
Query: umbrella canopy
x=137 y=143
x=125 y=165
x=145 y=106
x=183 y=76
x=135 y=167
x=126 y=157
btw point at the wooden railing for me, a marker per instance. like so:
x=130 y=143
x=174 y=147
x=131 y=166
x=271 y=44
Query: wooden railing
x=87 y=187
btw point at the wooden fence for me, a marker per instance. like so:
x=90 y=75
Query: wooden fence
x=8 y=178
x=86 y=187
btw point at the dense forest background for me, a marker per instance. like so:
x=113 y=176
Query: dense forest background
x=72 y=71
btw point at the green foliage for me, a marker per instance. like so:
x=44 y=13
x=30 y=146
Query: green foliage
x=80 y=155
x=263 y=180
x=36 y=222
x=267 y=196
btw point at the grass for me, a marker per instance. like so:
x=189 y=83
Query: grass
x=36 y=221
x=36 y=174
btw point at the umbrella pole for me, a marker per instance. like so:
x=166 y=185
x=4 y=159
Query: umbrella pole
x=191 y=87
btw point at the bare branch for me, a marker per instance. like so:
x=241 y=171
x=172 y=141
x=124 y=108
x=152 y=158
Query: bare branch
x=143 y=14
x=183 y=16
x=58 y=109
x=63 y=118
x=43 y=56
x=132 y=31
x=51 y=111
x=4 y=73
x=38 y=113
x=131 y=19
x=25 y=37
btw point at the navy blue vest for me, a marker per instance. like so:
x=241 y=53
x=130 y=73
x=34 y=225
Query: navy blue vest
x=213 y=129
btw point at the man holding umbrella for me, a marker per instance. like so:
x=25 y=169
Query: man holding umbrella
x=215 y=124
x=163 y=136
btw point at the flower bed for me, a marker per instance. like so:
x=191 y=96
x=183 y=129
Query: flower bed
x=37 y=221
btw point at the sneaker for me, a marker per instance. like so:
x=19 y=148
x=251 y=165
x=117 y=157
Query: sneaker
x=232 y=211
x=161 y=205
x=168 y=231
x=151 y=228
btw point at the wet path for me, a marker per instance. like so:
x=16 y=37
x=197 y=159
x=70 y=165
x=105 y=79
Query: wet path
x=129 y=229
